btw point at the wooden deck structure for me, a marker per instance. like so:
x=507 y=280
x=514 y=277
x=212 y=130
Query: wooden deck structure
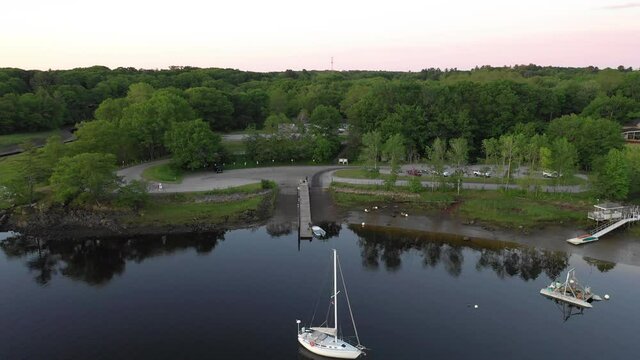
x=304 y=211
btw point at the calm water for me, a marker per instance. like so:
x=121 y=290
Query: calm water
x=237 y=296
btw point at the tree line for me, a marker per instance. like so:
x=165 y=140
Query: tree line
x=130 y=115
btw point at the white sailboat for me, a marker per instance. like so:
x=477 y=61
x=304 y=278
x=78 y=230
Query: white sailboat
x=325 y=340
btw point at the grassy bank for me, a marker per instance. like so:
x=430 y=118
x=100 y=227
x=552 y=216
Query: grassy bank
x=179 y=213
x=510 y=209
x=7 y=141
x=361 y=174
x=163 y=173
x=224 y=206
x=9 y=167
x=350 y=195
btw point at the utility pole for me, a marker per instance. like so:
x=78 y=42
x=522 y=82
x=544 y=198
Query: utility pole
x=332 y=63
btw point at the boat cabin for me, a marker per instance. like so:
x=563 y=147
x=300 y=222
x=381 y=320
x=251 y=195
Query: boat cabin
x=606 y=211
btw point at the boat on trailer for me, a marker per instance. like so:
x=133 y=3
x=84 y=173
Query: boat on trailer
x=583 y=239
x=325 y=341
x=570 y=292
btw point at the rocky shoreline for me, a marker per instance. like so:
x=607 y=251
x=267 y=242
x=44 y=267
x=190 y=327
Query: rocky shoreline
x=65 y=224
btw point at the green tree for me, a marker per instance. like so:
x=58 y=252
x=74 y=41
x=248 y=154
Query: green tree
x=546 y=158
x=491 y=149
x=85 y=177
x=415 y=185
x=458 y=153
x=274 y=120
x=133 y=195
x=326 y=120
x=192 y=144
x=593 y=138
x=52 y=151
x=148 y=121
x=31 y=171
x=105 y=137
x=111 y=109
x=532 y=153
x=617 y=108
x=564 y=160
x=613 y=176
x=212 y=106
x=139 y=92
x=437 y=155
x=324 y=149
x=394 y=150
x=632 y=154
x=372 y=148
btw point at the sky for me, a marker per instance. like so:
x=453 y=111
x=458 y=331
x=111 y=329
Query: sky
x=274 y=35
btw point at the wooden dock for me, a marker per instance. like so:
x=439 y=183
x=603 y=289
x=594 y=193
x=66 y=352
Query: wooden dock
x=304 y=210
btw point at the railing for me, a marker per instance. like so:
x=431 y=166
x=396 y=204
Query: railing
x=603 y=226
x=618 y=214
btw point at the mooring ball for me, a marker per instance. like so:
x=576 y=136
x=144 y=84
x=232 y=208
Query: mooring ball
x=362 y=224
x=475 y=306
x=606 y=296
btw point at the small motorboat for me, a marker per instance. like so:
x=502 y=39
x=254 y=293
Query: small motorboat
x=582 y=239
x=318 y=231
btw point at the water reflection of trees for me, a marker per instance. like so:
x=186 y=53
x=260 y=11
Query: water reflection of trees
x=279 y=229
x=601 y=265
x=97 y=261
x=385 y=246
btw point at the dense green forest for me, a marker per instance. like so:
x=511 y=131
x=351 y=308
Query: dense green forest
x=485 y=101
x=573 y=114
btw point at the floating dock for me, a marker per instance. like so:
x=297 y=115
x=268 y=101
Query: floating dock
x=304 y=210
x=612 y=216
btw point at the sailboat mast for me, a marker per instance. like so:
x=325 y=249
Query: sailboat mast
x=335 y=293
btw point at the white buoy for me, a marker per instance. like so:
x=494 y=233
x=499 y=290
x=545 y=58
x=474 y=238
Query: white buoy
x=366 y=210
x=363 y=224
x=606 y=296
x=375 y=208
x=475 y=306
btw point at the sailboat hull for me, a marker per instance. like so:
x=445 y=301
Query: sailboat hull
x=337 y=349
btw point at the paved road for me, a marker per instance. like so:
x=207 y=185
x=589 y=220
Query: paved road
x=287 y=178
x=65 y=134
x=475 y=186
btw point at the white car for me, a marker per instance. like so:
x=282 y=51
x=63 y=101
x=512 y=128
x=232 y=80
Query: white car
x=482 y=173
x=550 y=174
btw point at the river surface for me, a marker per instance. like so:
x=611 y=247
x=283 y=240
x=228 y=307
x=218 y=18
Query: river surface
x=237 y=295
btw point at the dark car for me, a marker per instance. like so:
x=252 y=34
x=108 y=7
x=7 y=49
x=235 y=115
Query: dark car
x=217 y=168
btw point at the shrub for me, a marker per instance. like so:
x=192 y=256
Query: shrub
x=133 y=195
x=267 y=184
x=415 y=185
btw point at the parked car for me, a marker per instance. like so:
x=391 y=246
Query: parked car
x=414 y=172
x=482 y=173
x=217 y=168
x=550 y=174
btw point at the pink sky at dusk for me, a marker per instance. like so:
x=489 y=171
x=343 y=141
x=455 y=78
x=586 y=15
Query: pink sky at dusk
x=285 y=34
